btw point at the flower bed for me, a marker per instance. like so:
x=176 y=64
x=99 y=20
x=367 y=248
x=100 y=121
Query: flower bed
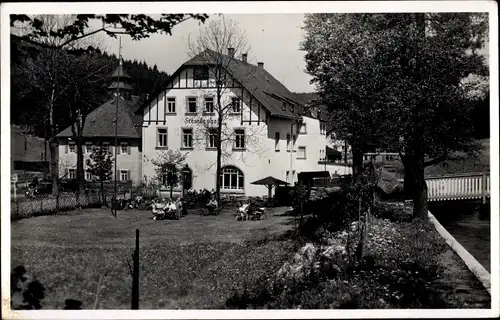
x=399 y=269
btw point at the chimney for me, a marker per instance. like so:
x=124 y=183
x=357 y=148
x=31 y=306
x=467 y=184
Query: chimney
x=244 y=57
x=260 y=64
x=230 y=52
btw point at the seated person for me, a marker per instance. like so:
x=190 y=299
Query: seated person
x=157 y=207
x=244 y=207
x=212 y=204
x=171 y=206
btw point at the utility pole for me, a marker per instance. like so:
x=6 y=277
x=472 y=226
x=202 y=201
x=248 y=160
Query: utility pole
x=117 y=100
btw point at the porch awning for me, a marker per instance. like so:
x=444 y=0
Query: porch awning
x=332 y=153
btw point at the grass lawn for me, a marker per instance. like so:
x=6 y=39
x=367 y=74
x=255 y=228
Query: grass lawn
x=194 y=262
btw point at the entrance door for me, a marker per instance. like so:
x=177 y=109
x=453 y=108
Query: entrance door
x=187 y=179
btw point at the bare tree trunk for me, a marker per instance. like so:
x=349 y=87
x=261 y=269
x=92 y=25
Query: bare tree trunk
x=357 y=161
x=219 y=158
x=103 y=195
x=419 y=187
x=80 y=174
x=409 y=178
x=54 y=165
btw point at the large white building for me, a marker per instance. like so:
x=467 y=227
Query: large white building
x=265 y=133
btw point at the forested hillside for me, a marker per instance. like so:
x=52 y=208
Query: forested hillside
x=30 y=86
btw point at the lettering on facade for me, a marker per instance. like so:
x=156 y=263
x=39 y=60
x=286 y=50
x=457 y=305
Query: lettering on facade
x=201 y=121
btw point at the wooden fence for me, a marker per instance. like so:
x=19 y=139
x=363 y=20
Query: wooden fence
x=458 y=187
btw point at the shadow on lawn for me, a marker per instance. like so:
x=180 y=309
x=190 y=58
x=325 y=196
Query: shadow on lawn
x=27 y=293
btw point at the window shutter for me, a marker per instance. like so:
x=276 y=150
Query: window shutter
x=128 y=150
x=66 y=149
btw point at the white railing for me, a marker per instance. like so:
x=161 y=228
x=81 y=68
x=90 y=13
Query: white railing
x=458 y=186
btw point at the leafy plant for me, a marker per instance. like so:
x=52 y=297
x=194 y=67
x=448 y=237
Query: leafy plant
x=100 y=165
x=168 y=167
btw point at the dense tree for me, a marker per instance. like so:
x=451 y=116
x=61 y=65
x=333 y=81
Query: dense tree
x=400 y=80
x=340 y=69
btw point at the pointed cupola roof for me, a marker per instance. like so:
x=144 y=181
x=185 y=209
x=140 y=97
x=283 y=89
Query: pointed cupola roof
x=120 y=72
x=121 y=79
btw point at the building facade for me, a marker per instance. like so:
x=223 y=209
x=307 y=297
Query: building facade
x=265 y=132
x=99 y=131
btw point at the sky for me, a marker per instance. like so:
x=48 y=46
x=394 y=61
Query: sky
x=274 y=39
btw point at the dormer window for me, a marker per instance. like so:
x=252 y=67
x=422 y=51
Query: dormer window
x=283 y=107
x=292 y=108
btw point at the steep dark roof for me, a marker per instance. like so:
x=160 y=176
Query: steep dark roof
x=100 y=122
x=261 y=84
x=120 y=73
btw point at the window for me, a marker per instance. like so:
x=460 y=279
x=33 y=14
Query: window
x=322 y=129
x=171 y=104
x=123 y=147
x=106 y=145
x=235 y=105
x=239 y=139
x=124 y=175
x=212 y=138
x=201 y=73
x=209 y=104
x=294 y=142
x=162 y=137
x=72 y=147
x=321 y=155
x=277 y=142
x=187 y=138
x=288 y=176
x=302 y=153
x=283 y=106
x=288 y=142
x=192 y=105
x=332 y=136
x=88 y=147
x=231 y=178
x=302 y=128
x=88 y=176
x=71 y=173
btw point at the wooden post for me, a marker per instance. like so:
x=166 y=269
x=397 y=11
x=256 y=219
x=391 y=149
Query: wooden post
x=135 y=276
x=483 y=187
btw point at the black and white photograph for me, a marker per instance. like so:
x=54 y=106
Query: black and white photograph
x=208 y=160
